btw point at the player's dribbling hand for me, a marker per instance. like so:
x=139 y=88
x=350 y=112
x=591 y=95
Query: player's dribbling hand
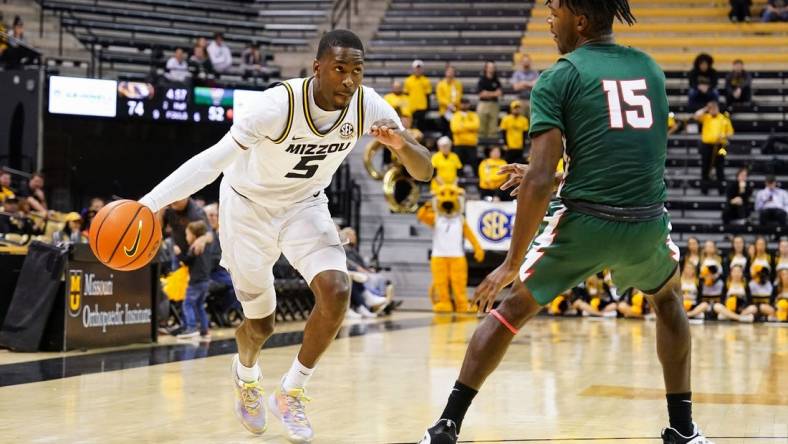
x=487 y=291
x=388 y=133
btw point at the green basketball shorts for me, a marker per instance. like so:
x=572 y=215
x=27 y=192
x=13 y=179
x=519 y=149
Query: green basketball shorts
x=572 y=246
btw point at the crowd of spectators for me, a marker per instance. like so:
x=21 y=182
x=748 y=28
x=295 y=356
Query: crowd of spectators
x=211 y=60
x=749 y=283
x=773 y=11
x=474 y=133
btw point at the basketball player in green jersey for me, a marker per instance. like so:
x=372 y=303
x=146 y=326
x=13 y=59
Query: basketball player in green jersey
x=608 y=103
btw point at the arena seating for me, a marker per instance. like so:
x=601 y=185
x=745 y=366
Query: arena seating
x=674 y=32
x=128 y=37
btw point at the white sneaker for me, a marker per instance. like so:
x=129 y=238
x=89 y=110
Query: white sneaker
x=650 y=317
x=610 y=314
x=351 y=315
x=364 y=312
x=288 y=406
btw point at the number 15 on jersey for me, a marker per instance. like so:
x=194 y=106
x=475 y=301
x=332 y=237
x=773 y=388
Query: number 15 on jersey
x=626 y=100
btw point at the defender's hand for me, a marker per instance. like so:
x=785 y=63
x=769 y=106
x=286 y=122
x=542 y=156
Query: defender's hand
x=478 y=255
x=488 y=290
x=516 y=172
x=388 y=133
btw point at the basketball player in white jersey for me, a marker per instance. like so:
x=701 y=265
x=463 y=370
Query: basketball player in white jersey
x=276 y=164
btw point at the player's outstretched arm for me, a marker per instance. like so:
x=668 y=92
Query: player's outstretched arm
x=533 y=197
x=193 y=175
x=414 y=156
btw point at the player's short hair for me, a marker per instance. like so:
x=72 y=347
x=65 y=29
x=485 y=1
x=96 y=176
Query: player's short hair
x=338 y=38
x=601 y=13
x=197 y=228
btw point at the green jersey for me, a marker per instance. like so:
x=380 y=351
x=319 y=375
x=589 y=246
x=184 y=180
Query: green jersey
x=609 y=101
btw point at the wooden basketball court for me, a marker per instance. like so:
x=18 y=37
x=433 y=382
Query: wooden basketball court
x=564 y=380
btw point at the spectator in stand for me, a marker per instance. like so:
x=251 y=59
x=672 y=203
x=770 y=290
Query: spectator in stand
x=35 y=196
x=465 y=132
x=692 y=255
x=712 y=280
x=690 y=291
x=702 y=82
x=738 y=85
x=737 y=256
x=15 y=218
x=490 y=179
x=490 y=92
x=398 y=100
x=740 y=10
x=524 y=79
x=771 y=203
x=3 y=41
x=781 y=258
x=737 y=305
x=253 y=63
x=778 y=311
x=775 y=11
x=514 y=127
x=72 y=231
x=717 y=128
x=177 y=67
x=446 y=164
x=220 y=55
x=178 y=216
x=5 y=186
x=418 y=88
x=96 y=204
x=378 y=291
x=737 y=204
x=449 y=93
x=199 y=270
x=12 y=55
x=200 y=62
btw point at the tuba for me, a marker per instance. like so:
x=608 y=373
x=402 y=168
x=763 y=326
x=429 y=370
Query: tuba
x=401 y=191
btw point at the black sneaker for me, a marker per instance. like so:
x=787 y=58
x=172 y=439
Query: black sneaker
x=671 y=436
x=443 y=432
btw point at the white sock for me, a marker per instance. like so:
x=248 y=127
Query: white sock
x=247 y=374
x=298 y=376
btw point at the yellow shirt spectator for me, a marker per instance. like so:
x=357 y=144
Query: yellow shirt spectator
x=418 y=89
x=514 y=126
x=448 y=93
x=399 y=102
x=446 y=167
x=465 y=128
x=716 y=129
x=489 y=179
x=5 y=193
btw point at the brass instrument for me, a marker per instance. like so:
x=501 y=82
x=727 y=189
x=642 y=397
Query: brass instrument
x=401 y=191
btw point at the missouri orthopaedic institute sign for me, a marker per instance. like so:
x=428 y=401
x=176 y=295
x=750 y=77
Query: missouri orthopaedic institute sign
x=106 y=307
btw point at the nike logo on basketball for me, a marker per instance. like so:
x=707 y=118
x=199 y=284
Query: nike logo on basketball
x=133 y=250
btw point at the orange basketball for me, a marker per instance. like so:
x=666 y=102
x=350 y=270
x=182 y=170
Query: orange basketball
x=125 y=235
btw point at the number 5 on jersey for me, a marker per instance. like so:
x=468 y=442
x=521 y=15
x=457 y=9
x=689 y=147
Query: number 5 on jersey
x=638 y=115
x=303 y=165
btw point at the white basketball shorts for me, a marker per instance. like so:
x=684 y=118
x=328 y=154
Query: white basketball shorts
x=253 y=237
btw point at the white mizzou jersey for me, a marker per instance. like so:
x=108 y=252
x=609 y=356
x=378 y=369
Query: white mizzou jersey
x=294 y=147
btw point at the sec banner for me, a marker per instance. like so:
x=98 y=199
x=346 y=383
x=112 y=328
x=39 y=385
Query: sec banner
x=491 y=222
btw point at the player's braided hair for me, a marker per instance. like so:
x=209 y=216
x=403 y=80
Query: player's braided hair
x=601 y=13
x=338 y=38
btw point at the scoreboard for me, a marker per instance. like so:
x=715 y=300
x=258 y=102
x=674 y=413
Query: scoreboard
x=144 y=101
